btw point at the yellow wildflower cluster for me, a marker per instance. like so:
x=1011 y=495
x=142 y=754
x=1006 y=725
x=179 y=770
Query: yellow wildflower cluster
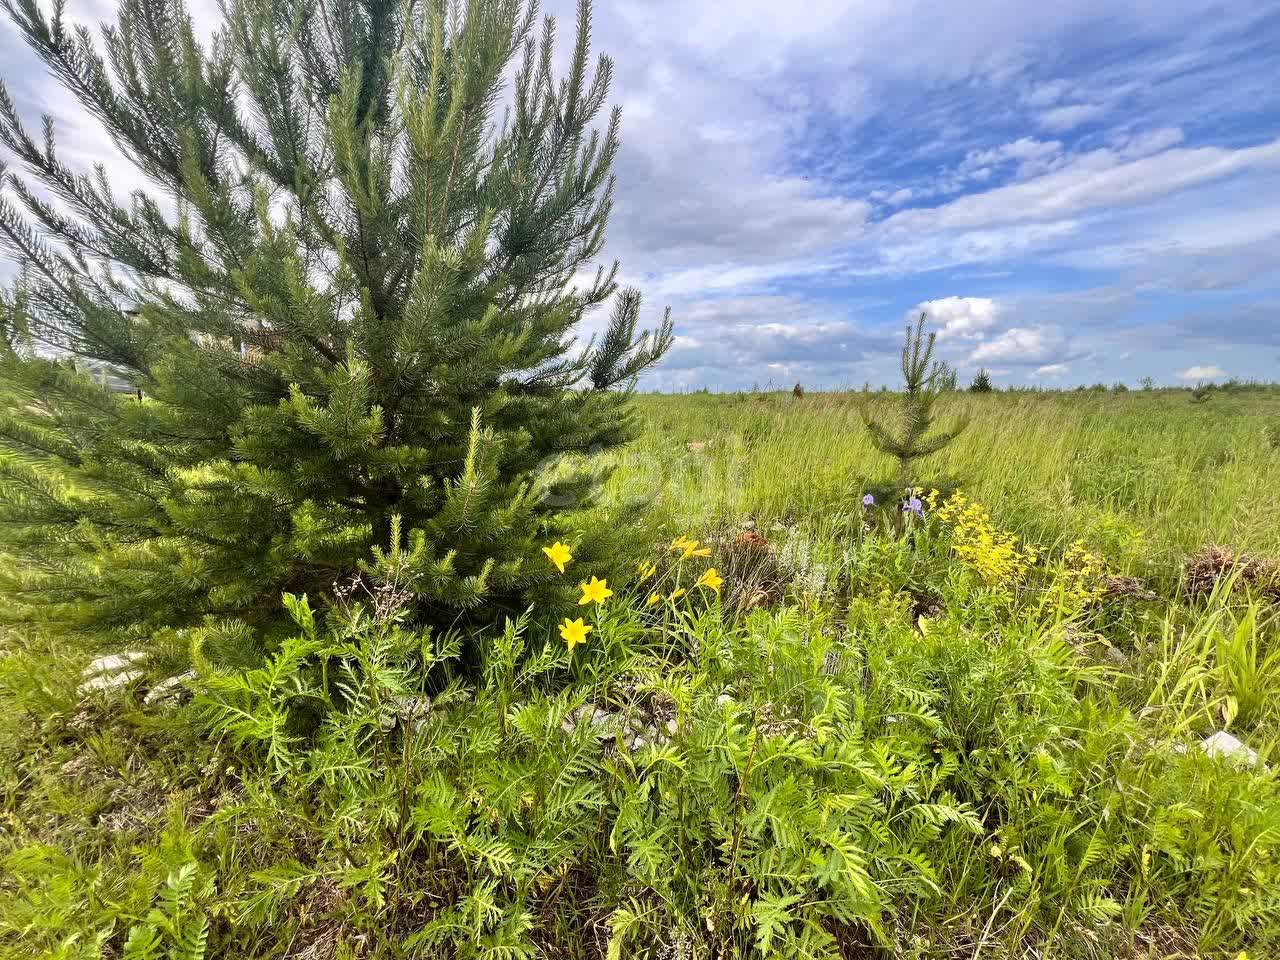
x=995 y=555
x=595 y=591
x=1082 y=576
x=574 y=632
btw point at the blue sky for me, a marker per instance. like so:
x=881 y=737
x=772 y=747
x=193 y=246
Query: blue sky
x=1076 y=192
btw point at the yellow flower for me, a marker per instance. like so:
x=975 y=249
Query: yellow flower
x=574 y=632
x=995 y=555
x=646 y=569
x=676 y=594
x=558 y=554
x=653 y=599
x=597 y=591
x=711 y=580
x=689 y=548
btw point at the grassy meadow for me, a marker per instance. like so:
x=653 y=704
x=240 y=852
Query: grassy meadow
x=1145 y=476
x=821 y=730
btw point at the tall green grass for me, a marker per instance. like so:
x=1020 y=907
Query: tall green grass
x=1142 y=476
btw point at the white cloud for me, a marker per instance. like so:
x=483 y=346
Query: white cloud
x=1209 y=372
x=1040 y=345
x=968 y=318
x=1047 y=94
x=1099 y=179
x=1031 y=155
x=1150 y=141
x=941 y=249
x=1053 y=370
x=1061 y=119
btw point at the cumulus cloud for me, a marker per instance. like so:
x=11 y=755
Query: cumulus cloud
x=1207 y=372
x=1053 y=370
x=742 y=338
x=1022 y=345
x=965 y=318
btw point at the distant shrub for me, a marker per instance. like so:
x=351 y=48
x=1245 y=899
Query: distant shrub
x=798 y=392
x=947 y=377
x=981 y=382
x=1202 y=393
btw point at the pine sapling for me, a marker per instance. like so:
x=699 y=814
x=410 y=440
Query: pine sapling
x=915 y=437
x=981 y=382
x=347 y=294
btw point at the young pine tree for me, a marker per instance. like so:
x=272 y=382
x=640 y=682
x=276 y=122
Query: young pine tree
x=981 y=382
x=914 y=438
x=349 y=298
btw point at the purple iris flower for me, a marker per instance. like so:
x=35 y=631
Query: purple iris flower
x=914 y=506
x=868 y=501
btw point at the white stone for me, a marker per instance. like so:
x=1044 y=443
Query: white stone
x=1223 y=744
x=672 y=726
x=113 y=663
x=168 y=689
x=110 y=681
x=413 y=710
x=602 y=722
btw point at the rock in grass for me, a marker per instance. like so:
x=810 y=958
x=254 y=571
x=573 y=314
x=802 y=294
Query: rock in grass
x=112 y=671
x=1223 y=744
x=113 y=663
x=603 y=723
x=169 y=690
x=110 y=681
x=407 y=711
x=1117 y=656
